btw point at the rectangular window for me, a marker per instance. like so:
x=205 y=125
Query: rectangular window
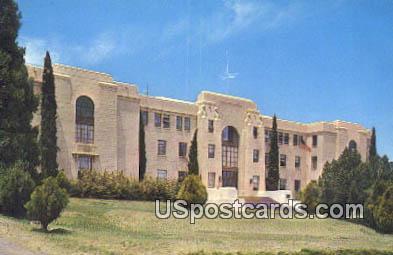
x=157 y=119
x=297 y=162
x=255 y=132
x=181 y=175
x=211 y=150
x=210 y=126
x=187 y=123
x=85 y=162
x=266 y=160
x=295 y=140
x=283 y=160
x=161 y=174
x=161 y=148
x=255 y=182
x=166 y=121
x=267 y=136
x=297 y=185
x=211 y=180
x=145 y=117
x=179 y=123
x=84 y=133
x=230 y=156
x=286 y=138
x=280 y=137
x=314 y=162
x=255 y=156
x=283 y=184
x=182 y=149
x=314 y=141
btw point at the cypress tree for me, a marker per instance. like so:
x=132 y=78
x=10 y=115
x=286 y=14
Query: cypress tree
x=373 y=145
x=48 y=138
x=142 y=149
x=273 y=167
x=18 y=139
x=193 y=166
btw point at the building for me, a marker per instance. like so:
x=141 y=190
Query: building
x=98 y=127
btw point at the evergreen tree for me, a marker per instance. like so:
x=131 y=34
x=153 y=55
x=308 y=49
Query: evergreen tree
x=373 y=145
x=18 y=140
x=142 y=149
x=193 y=166
x=48 y=138
x=273 y=166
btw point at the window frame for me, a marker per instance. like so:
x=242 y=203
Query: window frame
x=161 y=148
x=159 y=177
x=255 y=156
x=210 y=126
x=179 y=123
x=187 y=123
x=283 y=160
x=157 y=119
x=182 y=148
x=166 y=121
x=211 y=150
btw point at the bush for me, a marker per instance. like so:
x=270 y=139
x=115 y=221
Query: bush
x=192 y=190
x=114 y=185
x=383 y=211
x=310 y=196
x=16 y=186
x=47 y=202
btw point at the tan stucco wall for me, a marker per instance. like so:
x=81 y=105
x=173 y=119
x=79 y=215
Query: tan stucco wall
x=117 y=108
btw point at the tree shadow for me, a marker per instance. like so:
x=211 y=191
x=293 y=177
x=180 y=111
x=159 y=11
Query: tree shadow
x=55 y=231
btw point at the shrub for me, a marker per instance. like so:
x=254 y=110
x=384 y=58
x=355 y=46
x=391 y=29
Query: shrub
x=310 y=196
x=192 y=190
x=153 y=189
x=63 y=181
x=383 y=211
x=47 y=202
x=16 y=186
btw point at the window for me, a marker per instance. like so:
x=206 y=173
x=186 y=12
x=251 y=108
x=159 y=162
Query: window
x=181 y=175
x=283 y=184
x=85 y=162
x=255 y=182
x=267 y=136
x=352 y=146
x=210 y=126
x=211 y=180
x=145 y=117
x=286 y=138
x=266 y=160
x=297 y=185
x=179 y=123
x=297 y=161
x=255 y=156
x=166 y=121
x=211 y=150
x=295 y=140
x=314 y=162
x=182 y=149
x=161 y=147
x=229 y=156
x=187 y=123
x=161 y=174
x=283 y=160
x=84 y=120
x=255 y=132
x=280 y=137
x=314 y=141
x=157 y=119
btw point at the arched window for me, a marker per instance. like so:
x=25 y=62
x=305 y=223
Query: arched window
x=352 y=146
x=230 y=156
x=84 y=120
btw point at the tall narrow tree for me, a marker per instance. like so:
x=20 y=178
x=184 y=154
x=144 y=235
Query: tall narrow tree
x=272 y=180
x=18 y=139
x=142 y=149
x=373 y=144
x=193 y=166
x=48 y=138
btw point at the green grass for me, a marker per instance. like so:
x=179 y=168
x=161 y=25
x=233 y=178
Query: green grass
x=126 y=227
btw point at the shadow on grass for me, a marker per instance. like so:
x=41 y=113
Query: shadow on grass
x=56 y=231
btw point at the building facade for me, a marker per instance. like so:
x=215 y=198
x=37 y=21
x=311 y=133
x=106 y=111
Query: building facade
x=98 y=128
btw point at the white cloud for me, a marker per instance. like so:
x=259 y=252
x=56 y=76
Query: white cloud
x=36 y=49
x=100 y=49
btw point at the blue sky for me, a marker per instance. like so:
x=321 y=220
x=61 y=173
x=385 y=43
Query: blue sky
x=303 y=60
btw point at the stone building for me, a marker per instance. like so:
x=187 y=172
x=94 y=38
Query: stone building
x=98 y=126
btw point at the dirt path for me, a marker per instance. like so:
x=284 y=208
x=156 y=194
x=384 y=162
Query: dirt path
x=9 y=248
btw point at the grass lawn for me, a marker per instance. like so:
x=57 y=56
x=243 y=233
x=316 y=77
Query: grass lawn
x=91 y=226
